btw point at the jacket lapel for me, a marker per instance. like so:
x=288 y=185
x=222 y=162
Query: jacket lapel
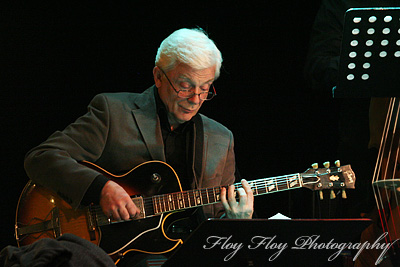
x=200 y=140
x=148 y=123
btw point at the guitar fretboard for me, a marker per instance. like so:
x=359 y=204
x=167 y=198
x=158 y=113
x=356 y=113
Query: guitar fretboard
x=206 y=196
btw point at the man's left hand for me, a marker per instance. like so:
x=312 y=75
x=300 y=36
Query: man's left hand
x=242 y=209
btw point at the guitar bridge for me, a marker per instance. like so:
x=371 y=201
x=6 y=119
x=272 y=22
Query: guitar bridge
x=52 y=224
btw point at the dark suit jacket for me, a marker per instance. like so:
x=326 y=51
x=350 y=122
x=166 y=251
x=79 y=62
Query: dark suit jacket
x=120 y=131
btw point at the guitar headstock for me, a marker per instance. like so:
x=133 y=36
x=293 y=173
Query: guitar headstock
x=329 y=177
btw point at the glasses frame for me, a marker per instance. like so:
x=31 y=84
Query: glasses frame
x=209 y=93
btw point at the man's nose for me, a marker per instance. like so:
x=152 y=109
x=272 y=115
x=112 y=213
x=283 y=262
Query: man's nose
x=195 y=98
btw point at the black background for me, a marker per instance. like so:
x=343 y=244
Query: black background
x=58 y=55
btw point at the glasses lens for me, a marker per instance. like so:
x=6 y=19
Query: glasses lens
x=207 y=95
x=190 y=94
x=210 y=94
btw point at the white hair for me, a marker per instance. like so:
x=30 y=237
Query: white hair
x=191 y=47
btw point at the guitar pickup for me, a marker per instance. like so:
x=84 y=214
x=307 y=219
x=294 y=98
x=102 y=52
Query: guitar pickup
x=139 y=203
x=91 y=223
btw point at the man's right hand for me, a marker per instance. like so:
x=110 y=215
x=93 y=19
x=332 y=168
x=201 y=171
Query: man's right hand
x=116 y=203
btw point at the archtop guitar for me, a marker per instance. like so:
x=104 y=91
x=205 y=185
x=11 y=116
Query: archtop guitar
x=156 y=190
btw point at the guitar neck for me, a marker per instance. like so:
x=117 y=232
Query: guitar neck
x=314 y=179
x=207 y=196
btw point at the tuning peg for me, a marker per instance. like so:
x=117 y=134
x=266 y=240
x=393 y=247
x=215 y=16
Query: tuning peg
x=314 y=165
x=327 y=164
x=333 y=196
x=344 y=195
x=321 y=195
x=337 y=163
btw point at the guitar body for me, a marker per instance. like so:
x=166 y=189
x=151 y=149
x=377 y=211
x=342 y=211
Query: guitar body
x=37 y=205
x=41 y=214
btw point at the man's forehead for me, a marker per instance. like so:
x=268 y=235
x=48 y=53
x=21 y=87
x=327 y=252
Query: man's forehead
x=191 y=74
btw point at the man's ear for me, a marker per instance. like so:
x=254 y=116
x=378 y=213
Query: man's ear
x=157 y=76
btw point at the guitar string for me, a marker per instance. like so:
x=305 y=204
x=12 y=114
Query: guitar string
x=259 y=185
x=381 y=170
x=393 y=171
x=395 y=165
x=378 y=168
x=280 y=180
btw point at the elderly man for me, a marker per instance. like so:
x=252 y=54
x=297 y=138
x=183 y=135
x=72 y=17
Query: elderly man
x=123 y=130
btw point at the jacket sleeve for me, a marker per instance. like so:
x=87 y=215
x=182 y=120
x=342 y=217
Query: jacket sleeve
x=220 y=163
x=54 y=163
x=228 y=176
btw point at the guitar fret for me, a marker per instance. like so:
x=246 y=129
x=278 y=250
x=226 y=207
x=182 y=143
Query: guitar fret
x=155 y=204
x=203 y=195
x=261 y=188
x=170 y=203
x=192 y=198
x=282 y=186
x=293 y=181
x=265 y=186
x=160 y=204
x=198 y=197
x=208 y=197
x=171 y=198
x=300 y=179
x=180 y=200
x=176 y=201
x=186 y=198
x=211 y=195
x=217 y=194
x=165 y=202
x=254 y=187
x=270 y=185
x=173 y=202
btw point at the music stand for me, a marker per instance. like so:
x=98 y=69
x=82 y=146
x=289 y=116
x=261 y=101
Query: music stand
x=197 y=250
x=370 y=53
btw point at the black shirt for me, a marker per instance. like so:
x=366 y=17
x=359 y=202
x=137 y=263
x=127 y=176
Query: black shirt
x=176 y=144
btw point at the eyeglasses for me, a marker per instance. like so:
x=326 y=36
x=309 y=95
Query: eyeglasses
x=185 y=93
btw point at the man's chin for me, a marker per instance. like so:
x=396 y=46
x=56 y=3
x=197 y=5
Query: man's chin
x=184 y=119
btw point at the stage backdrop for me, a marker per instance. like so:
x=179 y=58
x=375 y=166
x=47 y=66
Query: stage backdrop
x=57 y=56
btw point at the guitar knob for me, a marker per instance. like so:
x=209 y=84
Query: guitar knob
x=333 y=196
x=321 y=195
x=337 y=163
x=344 y=195
x=314 y=165
x=327 y=164
x=155 y=178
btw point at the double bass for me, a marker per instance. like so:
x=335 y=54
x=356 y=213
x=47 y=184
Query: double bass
x=386 y=186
